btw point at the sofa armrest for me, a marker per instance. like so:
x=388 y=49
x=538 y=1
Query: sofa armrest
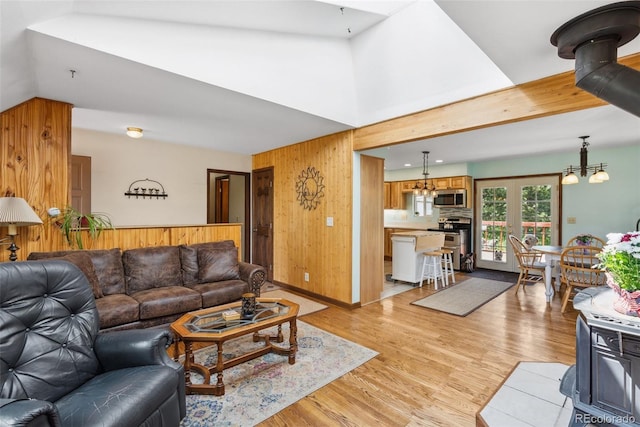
x=134 y=347
x=28 y=413
x=255 y=275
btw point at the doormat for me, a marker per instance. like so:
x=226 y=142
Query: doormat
x=464 y=297
x=259 y=388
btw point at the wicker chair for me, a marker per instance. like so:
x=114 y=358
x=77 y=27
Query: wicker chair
x=577 y=272
x=529 y=263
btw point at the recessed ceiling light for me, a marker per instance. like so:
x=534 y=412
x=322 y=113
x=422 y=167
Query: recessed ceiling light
x=439 y=161
x=407 y=165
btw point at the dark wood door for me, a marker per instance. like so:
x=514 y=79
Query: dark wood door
x=222 y=199
x=263 y=220
x=81 y=183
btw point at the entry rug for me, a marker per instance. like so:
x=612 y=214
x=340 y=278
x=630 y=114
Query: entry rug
x=260 y=388
x=464 y=297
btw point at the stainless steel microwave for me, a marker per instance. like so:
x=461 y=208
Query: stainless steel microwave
x=451 y=199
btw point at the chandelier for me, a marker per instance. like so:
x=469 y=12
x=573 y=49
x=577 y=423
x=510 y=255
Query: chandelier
x=423 y=188
x=598 y=176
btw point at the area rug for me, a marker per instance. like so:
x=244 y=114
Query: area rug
x=464 y=297
x=307 y=306
x=260 y=388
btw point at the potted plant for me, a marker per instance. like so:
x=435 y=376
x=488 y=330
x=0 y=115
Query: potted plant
x=620 y=260
x=584 y=239
x=72 y=223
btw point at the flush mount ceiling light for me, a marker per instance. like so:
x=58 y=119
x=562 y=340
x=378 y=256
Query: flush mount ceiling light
x=134 y=132
x=425 y=189
x=599 y=174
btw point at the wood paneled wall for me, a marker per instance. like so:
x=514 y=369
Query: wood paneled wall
x=371 y=228
x=35 y=151
x=140 y=237
x=302 y=240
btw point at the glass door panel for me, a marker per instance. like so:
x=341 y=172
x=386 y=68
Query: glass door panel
x=520 y=206
x=494 y=223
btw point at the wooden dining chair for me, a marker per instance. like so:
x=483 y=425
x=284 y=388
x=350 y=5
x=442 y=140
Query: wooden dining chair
x=529 y=262
x=595 y=241
x=577 y=272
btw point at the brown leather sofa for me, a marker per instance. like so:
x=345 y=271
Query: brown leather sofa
x=144 y=287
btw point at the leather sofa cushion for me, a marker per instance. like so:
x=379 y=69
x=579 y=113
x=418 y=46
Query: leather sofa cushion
x=189 y=258
x=123 y=397
x=218 y=293
x=167 y=300
x=83 y=261
x=215 y=265
x=152 y=267
x=117 y=309
x=107 y=264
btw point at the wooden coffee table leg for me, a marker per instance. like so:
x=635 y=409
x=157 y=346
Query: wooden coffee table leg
x=219 y=391
x=188 y=359
x=293 y=341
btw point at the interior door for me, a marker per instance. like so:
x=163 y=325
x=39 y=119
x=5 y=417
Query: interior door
x=222 y=199
x=81 y=183
x=262 y=253
x=519 y=206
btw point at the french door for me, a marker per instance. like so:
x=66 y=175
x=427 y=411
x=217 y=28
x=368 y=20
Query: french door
x=519 y=206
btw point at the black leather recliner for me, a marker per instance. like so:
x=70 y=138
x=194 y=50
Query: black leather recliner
x=57 y=370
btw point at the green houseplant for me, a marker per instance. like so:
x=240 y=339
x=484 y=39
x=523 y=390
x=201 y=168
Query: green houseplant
x=72 y=223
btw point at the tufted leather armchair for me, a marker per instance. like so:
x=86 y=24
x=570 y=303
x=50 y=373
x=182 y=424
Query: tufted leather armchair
x=57 y=370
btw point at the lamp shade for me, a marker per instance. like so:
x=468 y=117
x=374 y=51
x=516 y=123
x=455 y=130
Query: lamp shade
x=16 y=212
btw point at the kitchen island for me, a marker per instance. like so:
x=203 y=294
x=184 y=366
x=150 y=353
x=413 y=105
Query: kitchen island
x=408 y=247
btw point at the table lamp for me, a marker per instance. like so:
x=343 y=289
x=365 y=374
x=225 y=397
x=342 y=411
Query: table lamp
x=15 y=212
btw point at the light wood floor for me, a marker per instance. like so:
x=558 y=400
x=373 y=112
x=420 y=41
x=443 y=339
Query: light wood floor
x=433 y=369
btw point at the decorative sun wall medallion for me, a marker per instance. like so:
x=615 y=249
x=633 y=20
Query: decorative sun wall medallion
x=310 y=188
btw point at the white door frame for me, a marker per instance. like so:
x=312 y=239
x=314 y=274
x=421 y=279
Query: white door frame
x=514 y=214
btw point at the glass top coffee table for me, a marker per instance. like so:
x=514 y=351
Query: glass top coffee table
x=210 y=326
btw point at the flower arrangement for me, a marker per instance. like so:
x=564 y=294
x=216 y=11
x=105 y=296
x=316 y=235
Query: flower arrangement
x=584 y=239
x=621 y=259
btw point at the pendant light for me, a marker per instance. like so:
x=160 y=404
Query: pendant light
x=424 y=188
x=599 y=174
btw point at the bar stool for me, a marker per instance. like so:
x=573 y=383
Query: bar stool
x=432 y=268
x=447 y=264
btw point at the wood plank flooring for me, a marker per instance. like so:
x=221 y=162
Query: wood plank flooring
x=434 y=369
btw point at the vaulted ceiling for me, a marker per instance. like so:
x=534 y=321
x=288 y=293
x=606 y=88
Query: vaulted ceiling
x=249 y=76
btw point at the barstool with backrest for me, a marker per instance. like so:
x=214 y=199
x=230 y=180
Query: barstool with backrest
x=432 y=268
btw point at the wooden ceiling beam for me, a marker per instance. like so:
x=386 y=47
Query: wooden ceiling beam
x=548 y=96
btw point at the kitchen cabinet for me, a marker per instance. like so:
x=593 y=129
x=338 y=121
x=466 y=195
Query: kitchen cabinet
x=407 y=186
x=388 y=248
x=453 y=183
x=393 y=196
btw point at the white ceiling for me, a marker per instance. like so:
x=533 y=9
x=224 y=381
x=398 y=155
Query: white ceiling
x=249 y=76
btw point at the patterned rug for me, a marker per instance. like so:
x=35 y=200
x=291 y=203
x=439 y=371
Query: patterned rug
x=260 y=388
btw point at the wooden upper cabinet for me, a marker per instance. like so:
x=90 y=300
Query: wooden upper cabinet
x=453 y=183
x=387 y=195
x=397 y=197
x=393 y=196
x=407 y=186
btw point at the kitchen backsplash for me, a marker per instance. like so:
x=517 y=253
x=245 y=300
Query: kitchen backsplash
x=397 y=217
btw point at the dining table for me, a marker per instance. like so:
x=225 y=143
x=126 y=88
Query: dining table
x=551 y=259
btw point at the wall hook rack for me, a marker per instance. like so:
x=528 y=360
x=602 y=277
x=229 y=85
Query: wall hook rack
x=136 y=189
